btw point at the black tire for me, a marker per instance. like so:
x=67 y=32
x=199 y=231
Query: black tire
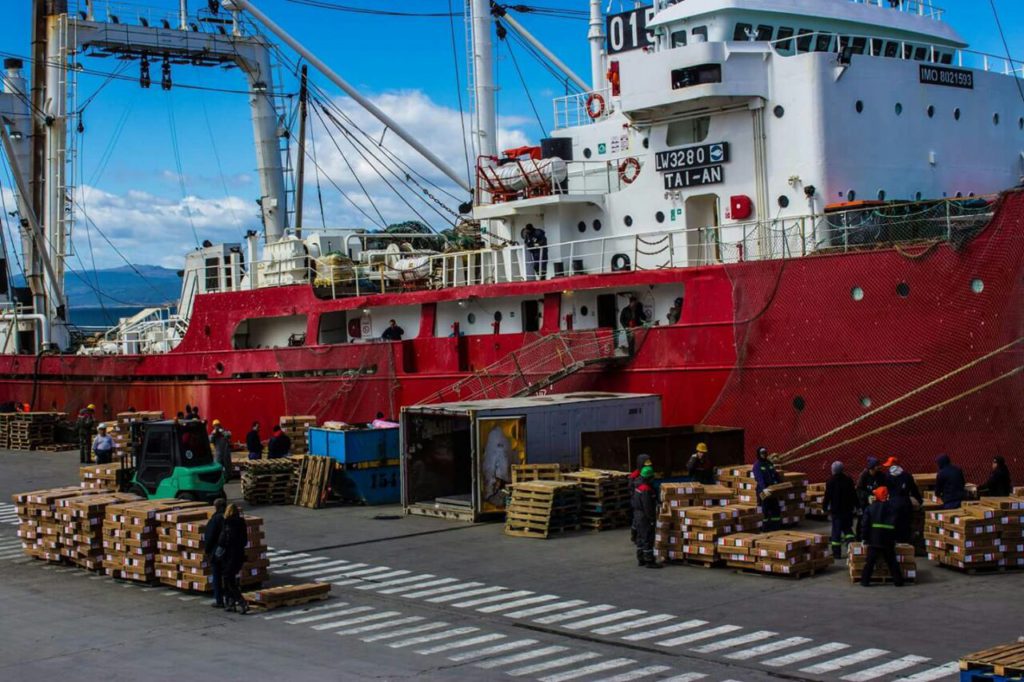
x=187 y=496
x=138 y=489
x=620 y=262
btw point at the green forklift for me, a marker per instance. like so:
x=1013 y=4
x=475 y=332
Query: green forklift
x=171 y=459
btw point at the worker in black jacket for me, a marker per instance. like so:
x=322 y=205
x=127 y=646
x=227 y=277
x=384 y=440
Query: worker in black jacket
x=766 y=475
x=903 y=492
x=635 y=480
x=879 y=526
x=211 y=538
x=841 y=503
x=645 y=515
x=230 y=553
x=872 y=477
x=998 y=483
x=949 y=483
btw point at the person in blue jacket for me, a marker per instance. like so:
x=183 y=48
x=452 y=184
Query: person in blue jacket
x=903 y=493
x=766 y=475
x=949 y=483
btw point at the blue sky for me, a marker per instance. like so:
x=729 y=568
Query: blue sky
x=136 y=192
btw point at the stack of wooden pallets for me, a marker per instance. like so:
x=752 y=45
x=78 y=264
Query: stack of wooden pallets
x=539 y=509
x=269 y=481
x=313 y=480
x=31 y=430
x=859 y=555
x=522 y=473
x=5 y=428
x=287 y=595
x=606 y=502
x=297 y=429
x=1003 y=663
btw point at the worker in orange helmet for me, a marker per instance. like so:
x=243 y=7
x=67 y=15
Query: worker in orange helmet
x=879 y=534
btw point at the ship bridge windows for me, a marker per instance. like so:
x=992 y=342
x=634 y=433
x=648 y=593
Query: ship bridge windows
x=696 y=75
x=784 y=40
x=687 y=132
x=699 y=34
x=743 y=31
x=746 y=32
x=803 y=40
x=678 y=38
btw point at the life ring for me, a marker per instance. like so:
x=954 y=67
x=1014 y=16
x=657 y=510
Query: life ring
x=355 y=329
x=595 y=98
x=629 y=170
x=620 y=262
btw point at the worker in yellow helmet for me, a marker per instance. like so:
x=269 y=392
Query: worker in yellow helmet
x=699 y=467
x=220 y=439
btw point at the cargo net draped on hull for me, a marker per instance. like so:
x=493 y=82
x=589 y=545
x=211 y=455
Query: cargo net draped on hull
x=910 y=343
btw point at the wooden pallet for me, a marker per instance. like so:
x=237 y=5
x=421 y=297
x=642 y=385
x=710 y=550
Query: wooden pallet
x=516 y=530
x=313 y=481
x=523 y=473
x=1006 y=660
x=287 y=595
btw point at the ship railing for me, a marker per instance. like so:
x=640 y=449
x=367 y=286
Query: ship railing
x=197 y=19
x=582 y=108
x=848 y=44
x=133 y=335
x=924 y=9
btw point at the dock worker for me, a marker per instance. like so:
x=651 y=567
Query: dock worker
x=645 y=515
x=393 y=332
x=211 y=538
x=84 y=426
x=103 y=445
x=634 y=481
x=949 y=483
x=220 y=438
x=841 y=504
x=903 y=493
x=766 y=475
x=998 y=483
x=869 y=479
x=879 y=534
x=536 y=242
x=676 y=311
x=699 y=468
x=279 y=445
x=253 y=443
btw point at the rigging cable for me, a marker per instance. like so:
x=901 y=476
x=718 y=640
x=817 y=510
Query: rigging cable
x=178 y=166
x=1006 y=46
x=316 y=166
x=529 y=97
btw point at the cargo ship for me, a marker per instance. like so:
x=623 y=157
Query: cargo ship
x=802 y=218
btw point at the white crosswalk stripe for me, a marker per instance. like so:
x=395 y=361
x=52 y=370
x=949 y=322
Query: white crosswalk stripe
x=463 y=595
x=504 y=596
x=319 y=569
x=454 y=632
x=311 y=609
x=735 y=641
x=360 y=577
x=417 y=586
x=461 y=644
x=422 y=577
x=666 y=630
x=601 y=620
x=441 y=590
x=294 y=559
x=601 y=667
x=352 y=573
x=804 y=654
x=697 y=636
x=356 y=621
x=633 y=624
x=329 y=614
x=404 y=631
x=844 y=661
x=334 y=573
x=379 y=626
x=12 y=555
x=885 y=669
x=768 y=648
x=638 y=674
x=382 y=576
x=526 y=613
x=685 y=677
x=575 y=613
x=550 y=665
x=950 y=670
x=491 y=650
x=519 y=658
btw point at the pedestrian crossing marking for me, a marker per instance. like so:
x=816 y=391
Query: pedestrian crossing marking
x=844 y=661
x=885 y=669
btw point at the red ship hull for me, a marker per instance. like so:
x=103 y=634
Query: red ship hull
x=780 y=348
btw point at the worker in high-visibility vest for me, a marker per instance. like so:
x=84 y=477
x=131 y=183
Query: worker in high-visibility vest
x=879 y=535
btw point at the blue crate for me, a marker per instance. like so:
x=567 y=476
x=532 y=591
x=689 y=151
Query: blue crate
x=986 y=676
x=371 y=485
x=356 y=448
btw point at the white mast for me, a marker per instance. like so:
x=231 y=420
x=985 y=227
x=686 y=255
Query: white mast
x=483 y=79
x=596 y=37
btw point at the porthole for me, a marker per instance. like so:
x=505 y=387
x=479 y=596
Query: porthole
x=899 y=108
x=584 y=311
x=1020 y=122
x=779 y=111
x=917 y=196
x=471 y=318
x=857 y=294
x=931 y=114
x=903 y=289
x=881 y=195
x=659 y=216
x=783 y=201
x=865 y=401
x=587 y=153
x=219 y=367
x=956 y=114
x=995 y=119
x=497 y=316
x=859 y=106
x=799 y=403
x=628 y=220
x=646 y=143
x=977 y=286
x=596 y=225
x=581 y=226
x=851 y=195
x=959 y=195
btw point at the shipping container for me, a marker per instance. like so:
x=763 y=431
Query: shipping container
x=368 y=459
x=457 y=457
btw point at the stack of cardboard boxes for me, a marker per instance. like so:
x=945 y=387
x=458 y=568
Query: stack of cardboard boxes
x=39 y=527
x=791 y=493
x=816 y=501
x=122 y=430
x=103 y=477
x=693 y=516
x=82 y=527
x=859 y=555
x=297 y=429
x=788 y=553
x=978 y=536
x=130 y=537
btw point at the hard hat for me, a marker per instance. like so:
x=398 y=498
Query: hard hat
x=90 y=406
x=881 y=493
x=216 y=422
x=890 y=462
x=702 y=447
x=102 y=426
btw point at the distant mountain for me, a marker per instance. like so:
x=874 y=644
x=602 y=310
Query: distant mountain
x=152 y=285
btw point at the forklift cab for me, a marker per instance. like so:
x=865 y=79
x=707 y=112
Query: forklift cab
x=173 y=460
